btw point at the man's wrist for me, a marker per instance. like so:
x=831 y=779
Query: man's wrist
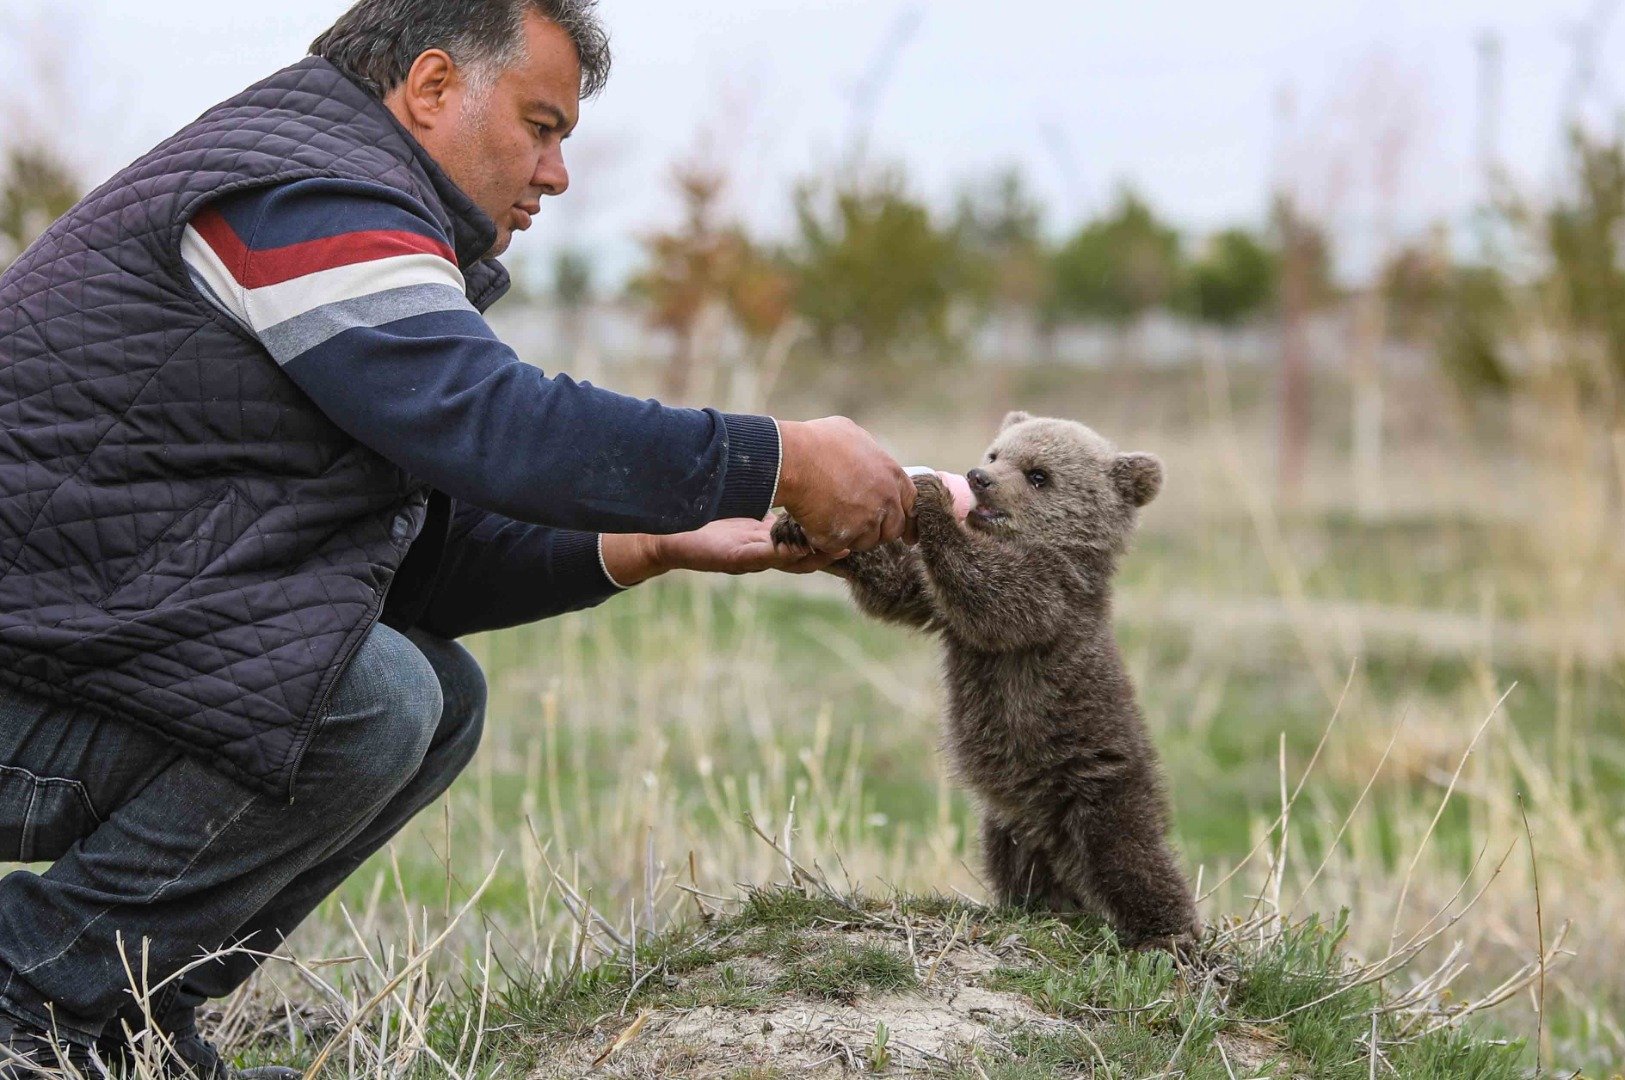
x=630 y=559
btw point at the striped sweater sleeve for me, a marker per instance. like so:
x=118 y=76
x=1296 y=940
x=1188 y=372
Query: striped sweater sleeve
x=354 y=291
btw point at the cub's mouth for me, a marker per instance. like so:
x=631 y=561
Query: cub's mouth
x=987 y=517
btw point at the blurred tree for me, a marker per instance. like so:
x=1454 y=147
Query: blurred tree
x=36 y=188
x=1306 y=283
x=1234 y=279
x=1000 y=214
x=875 y=274
x=1415 y=285
x=572 y=279
x=1294 y=233
x=1474 y=322
x=1000 y=224
x=572 y=293
x=707 y=270
x=1584 y=233
x=1118 y=266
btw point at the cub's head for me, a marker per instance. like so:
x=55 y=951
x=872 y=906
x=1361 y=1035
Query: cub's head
x=1058 y=482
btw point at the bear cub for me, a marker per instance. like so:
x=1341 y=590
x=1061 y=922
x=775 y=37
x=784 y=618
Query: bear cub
x=1042 y=722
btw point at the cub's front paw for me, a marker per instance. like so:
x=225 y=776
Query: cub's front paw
x=787 y=532
x=931 y=494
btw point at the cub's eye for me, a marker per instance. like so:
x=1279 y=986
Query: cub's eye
x=1037 y=477
x=991 y=458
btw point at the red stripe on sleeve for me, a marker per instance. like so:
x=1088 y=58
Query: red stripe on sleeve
x=276 y=265
x=212 y=226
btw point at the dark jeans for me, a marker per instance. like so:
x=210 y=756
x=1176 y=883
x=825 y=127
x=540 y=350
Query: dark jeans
x=150 y=844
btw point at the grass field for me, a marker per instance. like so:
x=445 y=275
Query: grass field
x=1433 y=689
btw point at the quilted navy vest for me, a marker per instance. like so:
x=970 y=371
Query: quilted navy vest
x=185 y=540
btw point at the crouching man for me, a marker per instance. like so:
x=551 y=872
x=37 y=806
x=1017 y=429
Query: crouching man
x=262 y=460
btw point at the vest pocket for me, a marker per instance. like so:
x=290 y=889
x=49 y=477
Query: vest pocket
x=181 y=553
x=41 y=816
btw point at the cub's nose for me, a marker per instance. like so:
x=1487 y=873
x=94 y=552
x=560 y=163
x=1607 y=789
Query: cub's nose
x=979 y=479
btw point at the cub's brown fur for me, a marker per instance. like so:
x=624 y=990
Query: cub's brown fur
x=1042 y=721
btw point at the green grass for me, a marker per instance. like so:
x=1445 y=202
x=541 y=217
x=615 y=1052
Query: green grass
x=843 y=972
x=1129 y=1014
x=737 y=699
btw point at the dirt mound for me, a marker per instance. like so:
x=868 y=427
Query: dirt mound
x=795 y=988
x=820 y=1003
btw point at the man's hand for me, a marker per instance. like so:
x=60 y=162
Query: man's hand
x=733 y=546
x=847 y=493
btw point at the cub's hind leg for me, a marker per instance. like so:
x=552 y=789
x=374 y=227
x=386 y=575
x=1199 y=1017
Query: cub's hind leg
x=1112 y=855
x=1018 y=873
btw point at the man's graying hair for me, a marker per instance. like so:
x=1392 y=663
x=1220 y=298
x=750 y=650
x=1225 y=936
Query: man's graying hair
x=376 y=41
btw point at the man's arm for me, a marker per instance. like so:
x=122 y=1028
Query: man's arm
x=356 y=295
x=497 y=572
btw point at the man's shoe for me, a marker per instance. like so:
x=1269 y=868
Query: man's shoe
x=28 y=1052
x=204 y=1062
x=195 y=1058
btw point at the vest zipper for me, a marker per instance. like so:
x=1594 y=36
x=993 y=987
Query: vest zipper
x=327 y=695
x=344 y=662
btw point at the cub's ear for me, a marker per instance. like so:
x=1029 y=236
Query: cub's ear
x=1138 y=477
x=1014 y=418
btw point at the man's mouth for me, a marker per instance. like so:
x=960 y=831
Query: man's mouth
x=523 y=216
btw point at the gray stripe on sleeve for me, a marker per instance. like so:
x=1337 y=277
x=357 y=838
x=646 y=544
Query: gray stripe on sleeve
x=293 y=337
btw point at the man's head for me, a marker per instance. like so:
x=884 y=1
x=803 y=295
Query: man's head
x=491 y=88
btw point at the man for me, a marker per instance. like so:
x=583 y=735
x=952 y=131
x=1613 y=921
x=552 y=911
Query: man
x=261 y=460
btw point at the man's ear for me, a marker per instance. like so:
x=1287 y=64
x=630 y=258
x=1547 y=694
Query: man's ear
x=1138 y=477
x=1014 y=418
x=424 y=96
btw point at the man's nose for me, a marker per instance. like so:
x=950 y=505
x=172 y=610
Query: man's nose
x=551 y=175
x=979 y=479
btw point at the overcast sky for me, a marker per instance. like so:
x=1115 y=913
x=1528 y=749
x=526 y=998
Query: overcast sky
x=1184 y=98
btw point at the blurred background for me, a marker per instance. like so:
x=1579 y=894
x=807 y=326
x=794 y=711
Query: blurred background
x=1355 y=270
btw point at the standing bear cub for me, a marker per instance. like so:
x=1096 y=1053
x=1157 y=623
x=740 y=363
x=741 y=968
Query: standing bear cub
x=1042 y=723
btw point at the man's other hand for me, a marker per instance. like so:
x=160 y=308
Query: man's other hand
x=847 y=492
x=731 y=546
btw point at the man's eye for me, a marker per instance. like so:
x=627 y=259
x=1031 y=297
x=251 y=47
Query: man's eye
x=1037 y=477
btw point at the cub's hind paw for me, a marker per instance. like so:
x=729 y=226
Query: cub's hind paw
x=1184 y=946
x=787 y=532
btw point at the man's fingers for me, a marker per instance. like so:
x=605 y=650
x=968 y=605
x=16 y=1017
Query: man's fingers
x=811 y=564
x=906 y=491
x=894 y=527
x=822 y=562
x=870 y=537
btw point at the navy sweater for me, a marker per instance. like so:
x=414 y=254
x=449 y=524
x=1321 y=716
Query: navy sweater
x=355 y=291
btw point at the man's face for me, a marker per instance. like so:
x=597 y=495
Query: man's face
x=503 y=145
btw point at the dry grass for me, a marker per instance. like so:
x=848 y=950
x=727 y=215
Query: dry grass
x=1451 y=668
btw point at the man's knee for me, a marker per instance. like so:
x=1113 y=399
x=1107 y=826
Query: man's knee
x=463 y=689
x=380 y=722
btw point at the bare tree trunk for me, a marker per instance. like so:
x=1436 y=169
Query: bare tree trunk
x=1365 y=369
x=1294 y=380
